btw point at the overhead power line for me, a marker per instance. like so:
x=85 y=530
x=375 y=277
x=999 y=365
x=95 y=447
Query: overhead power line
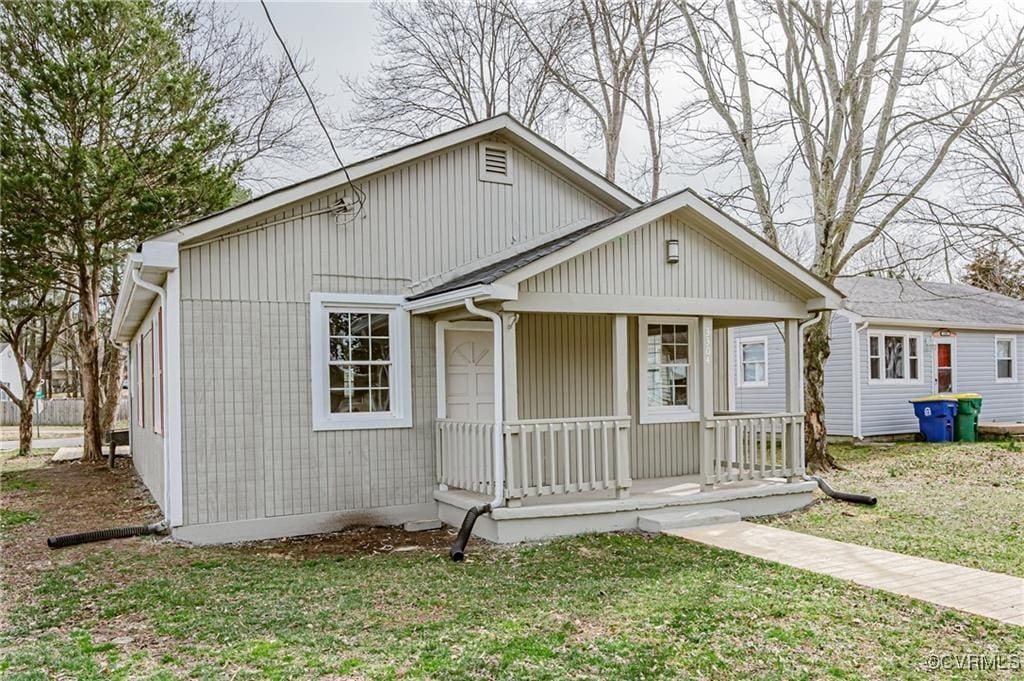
x=312 y=104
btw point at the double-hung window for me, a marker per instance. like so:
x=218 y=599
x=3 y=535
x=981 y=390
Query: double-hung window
x=360 y=362
x=894 y=358
x=1006 y=364
x=668 y=391
x=753 y=361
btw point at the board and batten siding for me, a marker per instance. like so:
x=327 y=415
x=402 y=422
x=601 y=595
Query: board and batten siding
x=147 y=446
x=564 y=366
x=634 y=264
x=248 y=447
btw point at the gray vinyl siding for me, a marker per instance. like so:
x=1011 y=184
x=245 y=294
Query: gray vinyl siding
x=147 y=446
x=885 y=407
x=634 y=264
x=838 y=374
x=564 y=365
x=839 y=377
x=248 y=447
x=720 y=359
x=772 y=397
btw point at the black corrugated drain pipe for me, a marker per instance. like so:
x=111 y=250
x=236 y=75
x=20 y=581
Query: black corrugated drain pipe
x=458 y=550
x=843 y=496
x=63 y=540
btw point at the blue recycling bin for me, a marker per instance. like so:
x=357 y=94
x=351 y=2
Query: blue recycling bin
x=935 y=416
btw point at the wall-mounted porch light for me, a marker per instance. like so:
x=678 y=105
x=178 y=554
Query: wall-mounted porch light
x=672 y=251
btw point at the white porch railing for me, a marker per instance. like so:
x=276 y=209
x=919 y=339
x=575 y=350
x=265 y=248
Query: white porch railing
x=542 y=456
x=755 y=446
x=567 y=456
x=465 y=456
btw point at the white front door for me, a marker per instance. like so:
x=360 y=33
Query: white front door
x=469 y=375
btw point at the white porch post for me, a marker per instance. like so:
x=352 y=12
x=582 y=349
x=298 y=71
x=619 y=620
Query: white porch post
x=795 y=445
x=706 y=402
x=511 y=397
x=620 y=402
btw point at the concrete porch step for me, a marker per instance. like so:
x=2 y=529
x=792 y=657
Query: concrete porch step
x=660 y=521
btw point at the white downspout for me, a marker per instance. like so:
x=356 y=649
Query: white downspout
x=858 y=426
x=499 y=407
x=801 y=330
x=142 y=283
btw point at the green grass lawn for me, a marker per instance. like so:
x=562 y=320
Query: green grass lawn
x=609 y=606
x=957 y=503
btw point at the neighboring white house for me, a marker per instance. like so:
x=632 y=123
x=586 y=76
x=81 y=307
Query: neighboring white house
x=476 y=317
x=9 y=374
x=897 y=339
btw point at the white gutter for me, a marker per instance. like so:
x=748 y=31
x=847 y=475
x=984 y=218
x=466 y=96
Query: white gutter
x=499 y=407
x=153 y=288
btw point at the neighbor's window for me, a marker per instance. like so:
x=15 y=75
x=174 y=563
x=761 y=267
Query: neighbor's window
x=666 y=358
x=894 y=358
x=360 y=362
x=1006 y=351
x=754 y=361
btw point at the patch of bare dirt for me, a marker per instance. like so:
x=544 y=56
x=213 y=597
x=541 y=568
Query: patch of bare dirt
x=360 y=540
x=66 y=497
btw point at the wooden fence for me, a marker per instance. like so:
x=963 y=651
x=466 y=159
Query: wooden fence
x=55 y=413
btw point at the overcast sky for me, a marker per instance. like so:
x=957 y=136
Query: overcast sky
x=339 y=39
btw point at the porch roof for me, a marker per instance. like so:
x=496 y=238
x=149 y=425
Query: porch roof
x=558 y=248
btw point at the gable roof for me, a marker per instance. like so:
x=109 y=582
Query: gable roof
x=504 y=124
x=559 y=249
x=953 y=305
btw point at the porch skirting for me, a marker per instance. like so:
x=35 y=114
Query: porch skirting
x=581 y=515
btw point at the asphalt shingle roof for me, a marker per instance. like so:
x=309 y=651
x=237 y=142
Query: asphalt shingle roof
x=956 y=304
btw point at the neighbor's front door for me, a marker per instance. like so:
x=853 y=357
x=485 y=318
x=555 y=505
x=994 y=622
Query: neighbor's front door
x=943 y=366
x=469 y=375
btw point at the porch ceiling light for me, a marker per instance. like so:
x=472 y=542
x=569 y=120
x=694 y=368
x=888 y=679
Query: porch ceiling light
x=672 y=251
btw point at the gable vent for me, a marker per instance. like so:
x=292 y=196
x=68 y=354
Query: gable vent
x=495 y=163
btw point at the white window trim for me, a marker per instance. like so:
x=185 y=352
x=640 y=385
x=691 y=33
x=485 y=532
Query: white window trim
x=400 y=415
x=495 y=177
x=652 y=414
x=936 y=342
x=882 y=380
x=1013 y=358
x=741 y=380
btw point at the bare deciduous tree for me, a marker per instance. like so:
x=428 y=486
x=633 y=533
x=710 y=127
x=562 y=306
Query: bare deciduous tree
x=871 y=103
x=448 y=63
x=600 y=52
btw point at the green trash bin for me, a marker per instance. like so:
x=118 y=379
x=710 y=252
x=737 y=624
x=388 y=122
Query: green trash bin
x=965 y=424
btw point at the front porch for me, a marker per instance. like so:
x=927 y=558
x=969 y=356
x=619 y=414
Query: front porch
x=601 y=511
x=630 y=452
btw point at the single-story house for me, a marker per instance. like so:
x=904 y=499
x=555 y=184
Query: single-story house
x=477 y=317
x=897 y=339
x=9 y=374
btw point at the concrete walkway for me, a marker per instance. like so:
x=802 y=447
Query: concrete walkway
x=990 y=594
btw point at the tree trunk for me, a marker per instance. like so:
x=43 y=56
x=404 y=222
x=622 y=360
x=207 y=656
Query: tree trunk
x=816 y=352
x=88 y=352
x=25 y=424
x=112 y=366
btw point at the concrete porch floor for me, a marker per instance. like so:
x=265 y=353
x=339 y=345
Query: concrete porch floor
x=600 y=511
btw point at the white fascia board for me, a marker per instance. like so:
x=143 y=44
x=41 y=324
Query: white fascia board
x=826 y=298
x=456 y=298
x=154 y=257
x=940 y=324
x=357 y=171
